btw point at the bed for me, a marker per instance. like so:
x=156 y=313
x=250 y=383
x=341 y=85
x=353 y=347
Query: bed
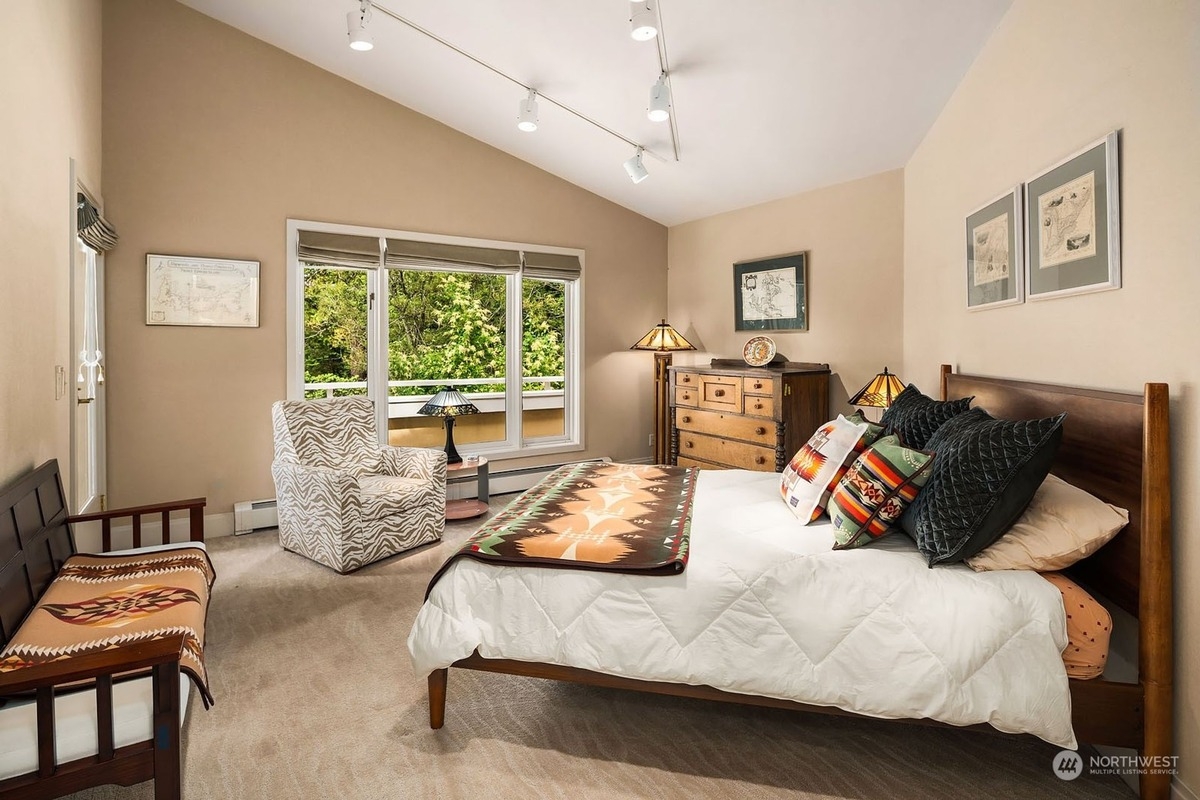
x=1115 y=445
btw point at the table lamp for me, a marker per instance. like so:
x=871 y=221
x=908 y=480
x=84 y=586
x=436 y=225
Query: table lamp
x=663 y=340
x=449 y=403
x=879 y=392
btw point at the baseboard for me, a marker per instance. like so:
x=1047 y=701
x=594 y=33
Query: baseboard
x=1180 y=791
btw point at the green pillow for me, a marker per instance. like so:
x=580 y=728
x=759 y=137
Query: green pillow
x=875 y=491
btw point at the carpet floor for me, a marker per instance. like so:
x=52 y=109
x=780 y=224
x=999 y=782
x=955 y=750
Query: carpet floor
x=316 y=699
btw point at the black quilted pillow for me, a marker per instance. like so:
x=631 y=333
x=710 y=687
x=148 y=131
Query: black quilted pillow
x=916 y=417
x=984 y=474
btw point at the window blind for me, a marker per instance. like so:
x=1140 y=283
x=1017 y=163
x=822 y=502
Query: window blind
x=93 y=228
x=409 y=254
x=339 y=249
x=551 y=266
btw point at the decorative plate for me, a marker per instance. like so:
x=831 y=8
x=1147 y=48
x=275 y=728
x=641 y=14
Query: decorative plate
x=759 y=351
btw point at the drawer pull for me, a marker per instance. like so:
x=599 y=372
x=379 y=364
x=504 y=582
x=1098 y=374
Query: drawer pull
x=757 y=385
x=687 y=419
x=760 y=431
x=718 y=393
x=760 y=460
x=686 y=379
x=757 y=406
x=689 y=444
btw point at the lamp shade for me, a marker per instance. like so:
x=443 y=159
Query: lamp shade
x=879 y=392
x=664 y=338
x=448 y=402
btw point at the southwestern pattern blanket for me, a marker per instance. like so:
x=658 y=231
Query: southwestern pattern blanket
x=97 y=602
x=620 y=517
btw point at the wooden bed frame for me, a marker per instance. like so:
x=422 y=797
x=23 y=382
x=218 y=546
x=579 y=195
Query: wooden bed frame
x=1115 y=445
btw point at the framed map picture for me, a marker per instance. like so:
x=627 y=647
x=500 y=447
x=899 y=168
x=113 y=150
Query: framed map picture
x=995 y=266
x=1072 y=213
x=201 y=291
x=771 y=294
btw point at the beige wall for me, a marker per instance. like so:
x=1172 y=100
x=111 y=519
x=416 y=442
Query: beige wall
x=1033 y=96
x=853 y=233
x=50 y=96
x=212 y=139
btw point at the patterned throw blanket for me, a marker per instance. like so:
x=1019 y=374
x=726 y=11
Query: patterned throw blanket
x=98 y=602
x=621 y=517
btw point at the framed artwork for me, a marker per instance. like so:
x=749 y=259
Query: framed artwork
x=201 y=291
x=1072 y=213
x=995 y=262
x=771 y=294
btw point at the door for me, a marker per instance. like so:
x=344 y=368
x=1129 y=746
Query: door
x=87 y=475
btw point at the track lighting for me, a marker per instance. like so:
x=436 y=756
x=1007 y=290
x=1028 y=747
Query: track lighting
x=527 y=115
x=635 y=168
x=660 y=100
x=356 y=27
x=644 y=25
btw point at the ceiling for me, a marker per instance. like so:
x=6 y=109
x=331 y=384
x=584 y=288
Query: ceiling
x=770 y=97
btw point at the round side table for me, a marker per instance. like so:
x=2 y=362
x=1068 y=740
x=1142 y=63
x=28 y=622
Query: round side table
x=465 y=509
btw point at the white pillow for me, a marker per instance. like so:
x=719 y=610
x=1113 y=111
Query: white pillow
x=1062 y=525
x=809 y=478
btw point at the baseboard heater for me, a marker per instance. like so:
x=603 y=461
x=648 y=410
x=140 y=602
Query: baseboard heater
x=255 y=515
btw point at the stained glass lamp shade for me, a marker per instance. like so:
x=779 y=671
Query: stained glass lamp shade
x=879 y=392
x=449 y=403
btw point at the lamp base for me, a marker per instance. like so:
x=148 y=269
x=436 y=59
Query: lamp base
x=452 y=456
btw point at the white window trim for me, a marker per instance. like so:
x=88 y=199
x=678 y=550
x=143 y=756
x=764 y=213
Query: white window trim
x=514 y=446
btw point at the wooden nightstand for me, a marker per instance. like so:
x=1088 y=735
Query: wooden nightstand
x=465 y=509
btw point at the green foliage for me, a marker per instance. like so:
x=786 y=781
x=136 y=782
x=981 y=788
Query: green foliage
x=442 y=327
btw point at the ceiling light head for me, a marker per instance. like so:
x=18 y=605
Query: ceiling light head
x=356 y=27
x=635 y=168
x=660 y=100
x=642 y=20
x=527 y=113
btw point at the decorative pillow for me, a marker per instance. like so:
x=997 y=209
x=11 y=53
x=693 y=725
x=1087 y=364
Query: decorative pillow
x=875 y=490
x=1089 y=629
x=916 y=417
x=810 y=476
x=1062 y=525
x=984 y=474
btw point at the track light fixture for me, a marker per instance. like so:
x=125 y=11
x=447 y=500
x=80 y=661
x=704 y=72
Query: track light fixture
x=635 y=167
x=642 y=20
x=660 y=100
x=356 y=27
x=527 y=114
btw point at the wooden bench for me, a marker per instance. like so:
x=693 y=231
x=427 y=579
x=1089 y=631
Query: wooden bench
x=35 y=539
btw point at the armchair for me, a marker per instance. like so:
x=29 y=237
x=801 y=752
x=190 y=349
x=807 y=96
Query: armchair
x=343 y=500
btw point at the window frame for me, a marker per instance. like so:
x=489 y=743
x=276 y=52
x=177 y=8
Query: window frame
x=515 y=443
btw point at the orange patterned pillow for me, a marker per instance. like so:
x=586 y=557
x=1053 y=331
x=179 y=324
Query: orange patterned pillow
x=811 y=475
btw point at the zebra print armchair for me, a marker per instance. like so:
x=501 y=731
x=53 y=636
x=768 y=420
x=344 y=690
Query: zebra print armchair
x=344 y=501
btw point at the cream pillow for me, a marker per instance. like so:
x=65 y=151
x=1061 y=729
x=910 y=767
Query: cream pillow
x=1062 y=525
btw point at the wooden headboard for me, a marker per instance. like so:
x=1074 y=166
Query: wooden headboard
x=35 y=539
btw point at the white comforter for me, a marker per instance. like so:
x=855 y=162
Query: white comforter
x=765 y=607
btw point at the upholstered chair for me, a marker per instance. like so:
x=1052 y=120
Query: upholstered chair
x=345 y=501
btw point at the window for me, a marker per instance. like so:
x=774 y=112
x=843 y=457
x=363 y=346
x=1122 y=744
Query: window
x=396 y=316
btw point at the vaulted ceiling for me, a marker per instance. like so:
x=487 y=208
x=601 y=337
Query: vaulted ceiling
x=770 y=97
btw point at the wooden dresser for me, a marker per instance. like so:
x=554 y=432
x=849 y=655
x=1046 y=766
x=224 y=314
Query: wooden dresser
x=731 y=415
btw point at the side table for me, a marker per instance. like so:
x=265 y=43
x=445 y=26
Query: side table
x=465 y=509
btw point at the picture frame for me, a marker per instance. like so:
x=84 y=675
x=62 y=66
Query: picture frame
x=995 y=261
x=206 y=292
x=1072 y=214
x=771 y=294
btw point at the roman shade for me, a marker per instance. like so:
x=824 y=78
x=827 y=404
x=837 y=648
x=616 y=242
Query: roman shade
x=409 y=254
x=92 y=227
x=338 y=249
x=551 y=266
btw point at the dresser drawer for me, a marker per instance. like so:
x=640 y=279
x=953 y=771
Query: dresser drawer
x=724 y=451
x=687 y=379
x=691 y=462
x=730 y=426
x=721 y=393
x=687 y=396
x=758 y=385
x=759 y=406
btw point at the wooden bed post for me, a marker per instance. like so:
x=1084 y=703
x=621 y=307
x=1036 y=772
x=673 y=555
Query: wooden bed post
x=944 y=372
x=1155 y=592
x=437 y=698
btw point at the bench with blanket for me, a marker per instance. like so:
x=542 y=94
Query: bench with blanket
x=97 y=652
